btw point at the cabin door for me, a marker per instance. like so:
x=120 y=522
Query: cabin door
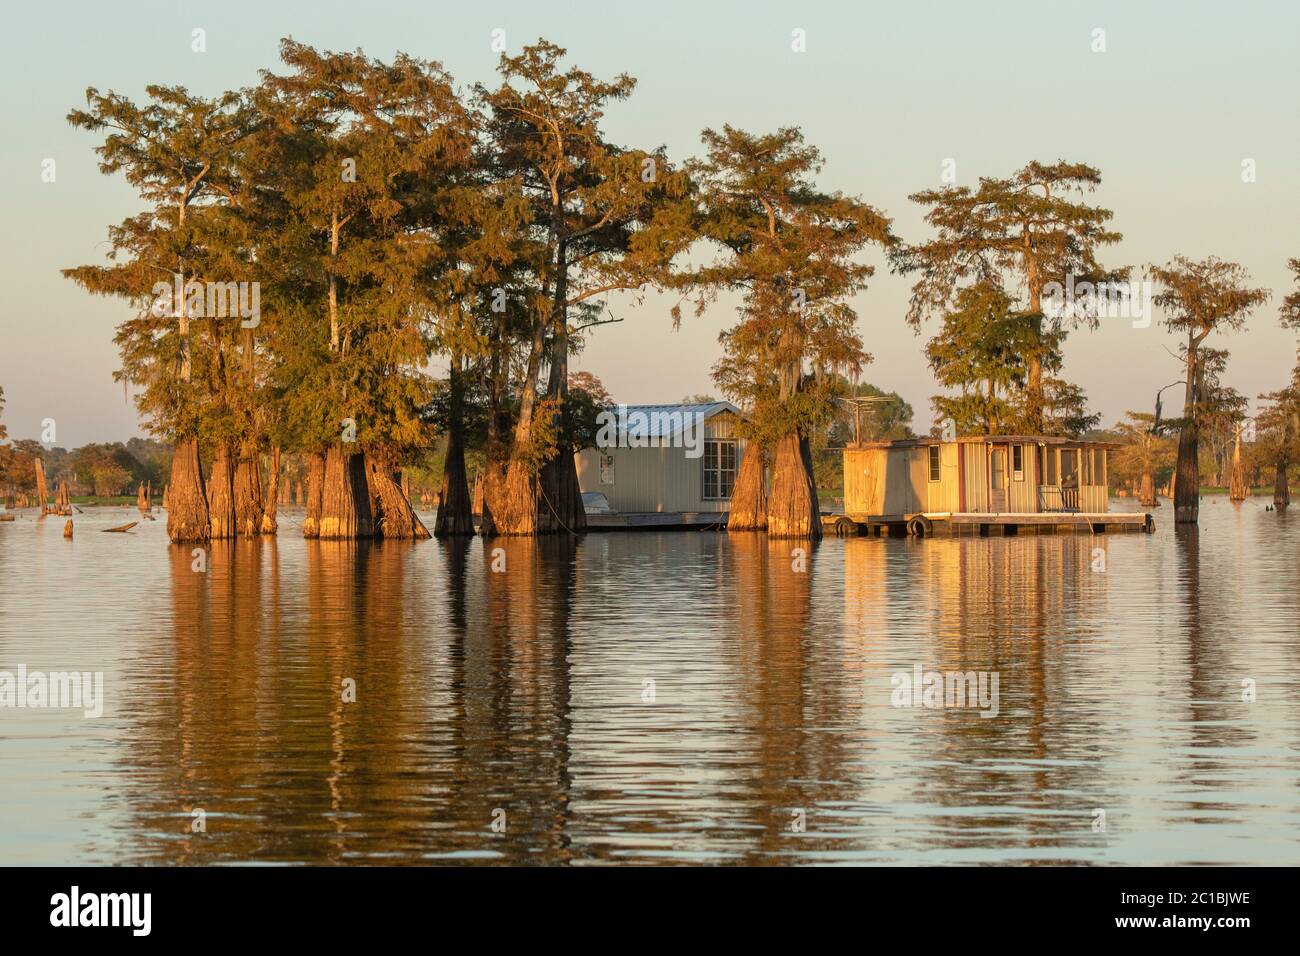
x=998 y=479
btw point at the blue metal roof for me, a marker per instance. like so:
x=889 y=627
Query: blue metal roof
x=664 y=421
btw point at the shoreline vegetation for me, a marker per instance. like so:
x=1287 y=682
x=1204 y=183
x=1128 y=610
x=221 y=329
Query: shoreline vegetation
x=309 y=245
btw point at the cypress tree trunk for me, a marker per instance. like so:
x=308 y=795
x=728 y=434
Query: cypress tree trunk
x=1281 y=488
x=792 y=510
x=1187 y=476
x=510 y=502
x=1237 y=490
x=1187 y=480
x=42 y=493
x=455 y=508
x=221 y=495
x=749 y=496
x=141 y=501
x=394 y=517
x=315 y=494
x=560 y=495
x=275 y=493
x=345 y=496
x=186 y=503
x=248 y=492
x=476 y=506
x=1147 y=495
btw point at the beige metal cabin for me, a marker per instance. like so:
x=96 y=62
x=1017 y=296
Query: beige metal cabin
x=666 y=460
x=987 y=475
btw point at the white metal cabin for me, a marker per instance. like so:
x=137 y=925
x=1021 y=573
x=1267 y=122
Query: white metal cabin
x=649 y=469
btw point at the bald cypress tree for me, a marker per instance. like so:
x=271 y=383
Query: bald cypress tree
x=789 y=249
x=1022 y=233
x=1201 y=298
x=604 y=217
x=365 y=154
x=178 y=152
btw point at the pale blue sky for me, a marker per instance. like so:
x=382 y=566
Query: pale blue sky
x=1182 y=94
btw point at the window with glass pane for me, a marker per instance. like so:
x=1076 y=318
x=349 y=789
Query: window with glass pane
x=719 y=468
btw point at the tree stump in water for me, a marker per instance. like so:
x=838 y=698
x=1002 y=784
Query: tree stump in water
x=1147 y=496
x=1281 y=488
x=1237 y=488
x=42 y=493
x=67 y=529
x=184 y=497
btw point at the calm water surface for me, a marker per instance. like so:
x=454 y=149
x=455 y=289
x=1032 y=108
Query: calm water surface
x=525 y=691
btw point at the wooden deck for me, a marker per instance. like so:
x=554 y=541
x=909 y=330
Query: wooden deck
x=923 y=524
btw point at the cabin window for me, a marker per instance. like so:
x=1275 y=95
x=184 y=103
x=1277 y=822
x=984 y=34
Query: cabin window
x=719 y=468
x=1087 y=467
x=934 y=462
x=1047 y=466
x=1018 y=462
x=606 y=469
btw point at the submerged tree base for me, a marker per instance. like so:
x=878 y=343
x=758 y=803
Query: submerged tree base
x=345 y=497
x=249 y=507
x=560 y=495
x=749 y=497
x=315 y=494
x=792 y=510
x=455 y=507
x=184 y=497
x=510 y=502
x=393 y=515
x=1147 y=495
x=221 y=497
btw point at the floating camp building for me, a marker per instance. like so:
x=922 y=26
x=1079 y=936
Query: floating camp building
x=1002 y=484
x=661 y=466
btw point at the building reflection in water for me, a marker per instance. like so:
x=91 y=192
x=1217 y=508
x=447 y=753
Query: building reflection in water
x=657 y=697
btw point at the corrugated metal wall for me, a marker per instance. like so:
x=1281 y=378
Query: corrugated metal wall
x=975 y=474
x=658 y=479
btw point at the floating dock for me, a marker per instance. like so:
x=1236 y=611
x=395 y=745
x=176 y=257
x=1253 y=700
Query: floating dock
x=951 y=524
x=659 y=521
